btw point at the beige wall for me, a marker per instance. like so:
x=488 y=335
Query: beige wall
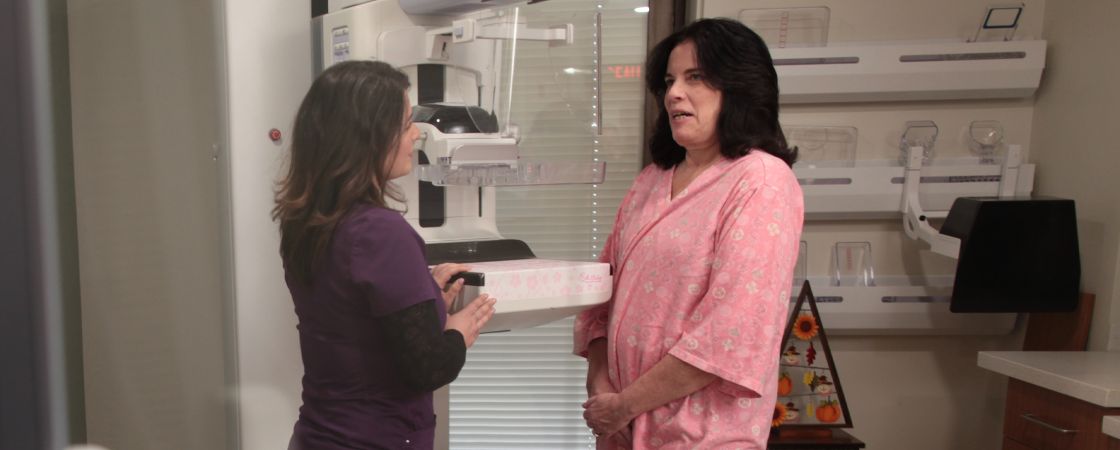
x=1077 y=148
x=145 y=113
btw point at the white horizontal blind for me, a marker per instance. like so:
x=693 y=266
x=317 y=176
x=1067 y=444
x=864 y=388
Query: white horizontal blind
x=523 y=389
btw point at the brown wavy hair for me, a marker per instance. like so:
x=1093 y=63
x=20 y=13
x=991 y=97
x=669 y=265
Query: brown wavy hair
x=348 y=124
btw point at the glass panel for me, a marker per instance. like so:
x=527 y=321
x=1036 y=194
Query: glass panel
x=563 y=45
x=523 y=389
x=555 y=111
x=550 y=81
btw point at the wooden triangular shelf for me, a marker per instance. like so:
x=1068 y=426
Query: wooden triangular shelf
x=809 y=392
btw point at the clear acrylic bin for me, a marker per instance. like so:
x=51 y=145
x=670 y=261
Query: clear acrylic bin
x=823 y=146
x=851 y=264
x=789 y=27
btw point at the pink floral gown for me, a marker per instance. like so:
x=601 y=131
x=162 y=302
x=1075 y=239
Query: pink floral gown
x=705 y=277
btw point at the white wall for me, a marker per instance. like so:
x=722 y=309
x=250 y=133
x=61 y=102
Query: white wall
x=912 y=392
x=268 y=67
x=1076 y=149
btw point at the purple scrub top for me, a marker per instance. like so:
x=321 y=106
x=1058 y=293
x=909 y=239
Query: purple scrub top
x=352 y=396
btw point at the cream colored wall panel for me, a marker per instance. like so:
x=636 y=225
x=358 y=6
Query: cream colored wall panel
x=268 y=69
x=876 y=20
x=922 y=393
x=1077 y=148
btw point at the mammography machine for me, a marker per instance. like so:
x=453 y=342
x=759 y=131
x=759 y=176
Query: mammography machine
x=460 y=59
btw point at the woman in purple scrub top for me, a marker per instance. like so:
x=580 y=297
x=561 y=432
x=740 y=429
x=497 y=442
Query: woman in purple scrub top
x=375 y=336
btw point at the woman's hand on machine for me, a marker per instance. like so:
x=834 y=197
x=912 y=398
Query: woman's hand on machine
x=442 y=274
x=470 y=320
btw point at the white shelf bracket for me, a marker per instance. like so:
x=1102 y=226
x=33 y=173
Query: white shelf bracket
x=436 y=42
x=1009 y=174
x=915 y=220
x=467 y=30
x=564 y=34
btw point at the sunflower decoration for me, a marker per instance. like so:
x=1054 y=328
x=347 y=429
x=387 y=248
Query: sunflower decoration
x=805 y=327
x=779 y=414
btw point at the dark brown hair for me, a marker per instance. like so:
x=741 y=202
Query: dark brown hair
x=348 y=124
x=735 y=61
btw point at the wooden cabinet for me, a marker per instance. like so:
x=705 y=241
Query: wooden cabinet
x=1011 y=444
x=1040 y=419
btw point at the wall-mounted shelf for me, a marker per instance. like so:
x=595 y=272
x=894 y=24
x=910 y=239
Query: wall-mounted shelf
x=901 y=306
x=873 y=189
x=909 y=71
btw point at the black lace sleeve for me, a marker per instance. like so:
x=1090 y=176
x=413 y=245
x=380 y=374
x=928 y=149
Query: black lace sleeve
x=426 y=358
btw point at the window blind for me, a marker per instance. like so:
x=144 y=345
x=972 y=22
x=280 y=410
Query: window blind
x=523 y=389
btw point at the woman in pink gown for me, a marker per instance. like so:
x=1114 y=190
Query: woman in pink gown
x=685 y=354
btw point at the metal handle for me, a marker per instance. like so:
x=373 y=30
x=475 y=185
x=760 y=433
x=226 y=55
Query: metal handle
x=1033 y=419
x=469 y=278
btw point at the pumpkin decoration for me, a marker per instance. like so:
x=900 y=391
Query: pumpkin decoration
x=805 y=327
x=785 y=384
x=828 y=411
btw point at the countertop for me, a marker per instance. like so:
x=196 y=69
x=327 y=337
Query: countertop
x=1090 y=376
x=1111 y=426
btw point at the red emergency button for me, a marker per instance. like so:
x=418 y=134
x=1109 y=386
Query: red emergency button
x=274 y=134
